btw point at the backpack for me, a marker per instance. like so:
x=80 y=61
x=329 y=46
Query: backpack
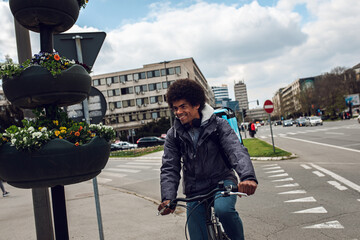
x=252 y=127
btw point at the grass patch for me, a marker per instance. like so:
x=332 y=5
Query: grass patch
x=259 y=148
x=137 y=152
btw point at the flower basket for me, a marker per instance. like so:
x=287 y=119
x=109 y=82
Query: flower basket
x=36 y=87
x=60 y=15
x=56 y=163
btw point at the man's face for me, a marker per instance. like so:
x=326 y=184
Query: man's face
x=185 y=112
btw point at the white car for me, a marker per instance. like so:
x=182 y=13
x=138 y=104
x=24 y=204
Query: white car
x=314 y=121
x=126 y=145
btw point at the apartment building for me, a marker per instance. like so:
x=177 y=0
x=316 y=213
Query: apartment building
x=138 y=96
x=241 y=95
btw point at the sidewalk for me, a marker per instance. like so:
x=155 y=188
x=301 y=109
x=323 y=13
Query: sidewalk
x=124 y=215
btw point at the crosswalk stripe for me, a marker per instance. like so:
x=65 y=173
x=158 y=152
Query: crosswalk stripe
x=272 y=168
x=280 y=175
x=122 y=170
x=306 y=199
x=313 y=210
x=133 y=166
x=276 y=171
x=103 y=180
x=283 y=180
x=337 y=185
x=142 y=163
x=293 y=192
x=331 y=224
x=117 y=175
x=319 y=174
x=288 y=185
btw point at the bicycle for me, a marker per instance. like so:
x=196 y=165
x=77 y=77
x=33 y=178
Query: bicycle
x=214 y=227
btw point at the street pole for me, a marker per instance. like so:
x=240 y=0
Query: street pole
x=272 y=137
x=77 y=39
x=243 y=121
x=40 y=196
x=167 y=87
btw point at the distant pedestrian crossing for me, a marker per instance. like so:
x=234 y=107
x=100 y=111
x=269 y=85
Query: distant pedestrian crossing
x=128 y=167
x=313 y=130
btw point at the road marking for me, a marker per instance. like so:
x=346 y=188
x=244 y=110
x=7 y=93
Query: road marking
x=103 y=180
x=117 y=175
x=291 y=133
x=306 y=199
x=272 y=168
x=134 y=166
x=293 y=192
x=324 y=144
x=271 y=165
x=319 y=174
x=331 y=224
x=280 y=175
x=338 y=177
x=305 y=166
x=263 y=137
x=283 y=180
x=313 y=210
x=337 y=185
x=276 y=171
x=289 y=185
x=334 y=133
x=149 y=160
x=122 y=170
x=143 y=163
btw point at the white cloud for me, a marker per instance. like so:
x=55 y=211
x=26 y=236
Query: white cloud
x=268 y=47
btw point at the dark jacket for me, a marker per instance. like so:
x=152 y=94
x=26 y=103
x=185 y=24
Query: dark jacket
x=204 y=166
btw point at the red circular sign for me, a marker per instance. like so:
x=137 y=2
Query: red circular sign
x=268 y=106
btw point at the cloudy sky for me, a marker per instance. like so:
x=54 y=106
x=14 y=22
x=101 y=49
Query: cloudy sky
x=266 y=43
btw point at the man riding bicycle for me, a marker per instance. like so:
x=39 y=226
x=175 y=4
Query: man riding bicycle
x=208 y=150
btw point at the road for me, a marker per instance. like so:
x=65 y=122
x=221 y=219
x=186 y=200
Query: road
x=315 y=196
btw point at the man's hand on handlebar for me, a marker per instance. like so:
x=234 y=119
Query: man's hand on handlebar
x=167 y=210
x=247 y=186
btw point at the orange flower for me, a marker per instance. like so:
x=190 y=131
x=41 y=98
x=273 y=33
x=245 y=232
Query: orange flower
x=80 y=128
x=56 y=57
x=77 y=134
x=77 y=144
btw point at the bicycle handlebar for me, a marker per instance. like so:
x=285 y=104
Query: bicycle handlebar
x=224 y=191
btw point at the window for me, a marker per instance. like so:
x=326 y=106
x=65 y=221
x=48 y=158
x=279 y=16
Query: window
x=136 y=76
x=141 y=88
x=102 y=81
x=113 y=92
x=128 y=90
x=142 y=75
x=122 y=78
x=177 y=70
x=157 y=73
x=166 y=84
x=118 y=104
x=171 y=71
x=155 y=115
x=128 y=103
x=96 y=82
x=150 y=74
x=154 y=86
x=129 y=77
x=155 y=99
x=141 y=101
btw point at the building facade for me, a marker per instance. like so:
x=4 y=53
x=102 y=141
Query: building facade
x=241 y=95
x=220 y=92
x=138 y=96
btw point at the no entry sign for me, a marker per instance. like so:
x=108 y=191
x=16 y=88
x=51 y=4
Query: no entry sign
x=268 y=106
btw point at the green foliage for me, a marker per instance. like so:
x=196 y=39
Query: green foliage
x=155 y=128
x=259 y=148
x=136 y=152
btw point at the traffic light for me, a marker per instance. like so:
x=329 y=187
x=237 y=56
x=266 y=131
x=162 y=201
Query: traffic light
x=244 y=113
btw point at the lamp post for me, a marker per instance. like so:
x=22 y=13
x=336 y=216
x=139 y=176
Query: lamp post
x=167 y=86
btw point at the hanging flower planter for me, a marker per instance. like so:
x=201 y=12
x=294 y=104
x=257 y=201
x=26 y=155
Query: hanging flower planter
x=56 y=163
x=60 y=15
x=37 y=87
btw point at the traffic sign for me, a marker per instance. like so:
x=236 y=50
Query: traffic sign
x=268 y=106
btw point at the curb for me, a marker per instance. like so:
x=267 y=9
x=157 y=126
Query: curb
x=292 y=156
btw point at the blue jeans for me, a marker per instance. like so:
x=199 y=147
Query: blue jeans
x=224 y=209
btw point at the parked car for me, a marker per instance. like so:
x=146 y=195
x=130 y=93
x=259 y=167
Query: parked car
x=127 y=145
x=150 y=141
x=287 y=123
x=115 y=147
x=277 y=122
x=314 y=121
x=301 y=122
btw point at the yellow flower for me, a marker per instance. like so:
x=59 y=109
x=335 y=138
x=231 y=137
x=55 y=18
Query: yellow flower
x=60 y=137
x=40 y=128
x=93 y=135
x=57 y=133
x=62 y=128
x=63 y=131
x=56 y=122
x=77 y=144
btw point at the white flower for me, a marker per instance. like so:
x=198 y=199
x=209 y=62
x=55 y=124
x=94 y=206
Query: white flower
x=31 y=129
x=13 y=141
x=44 y=129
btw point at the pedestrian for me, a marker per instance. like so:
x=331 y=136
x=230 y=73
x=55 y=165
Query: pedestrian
x=5 y=193
x=207 y=151
x=252 y=129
